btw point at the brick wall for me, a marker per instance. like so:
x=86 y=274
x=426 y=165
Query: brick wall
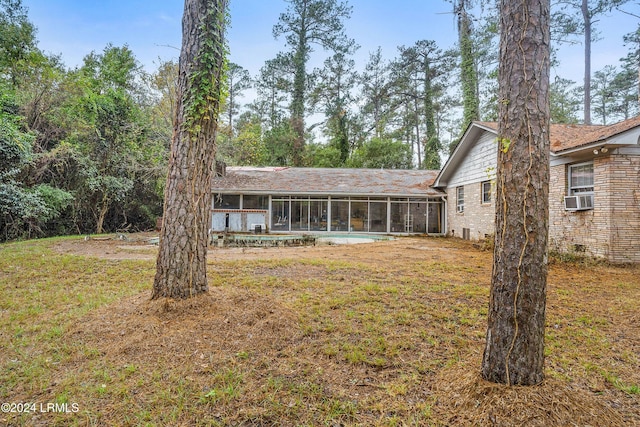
x=612 y=229
x=625 y=209
x=477 y=217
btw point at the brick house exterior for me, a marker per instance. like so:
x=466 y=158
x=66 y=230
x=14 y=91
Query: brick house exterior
x=600 y=163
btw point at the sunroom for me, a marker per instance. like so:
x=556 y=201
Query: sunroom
x=317 y=200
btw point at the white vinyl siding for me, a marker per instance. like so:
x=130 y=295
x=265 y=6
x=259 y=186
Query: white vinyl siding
x=479 y=164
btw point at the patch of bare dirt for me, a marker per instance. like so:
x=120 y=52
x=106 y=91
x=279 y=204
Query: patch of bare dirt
x=117 y=246
x=137 y=246
x=204 y=336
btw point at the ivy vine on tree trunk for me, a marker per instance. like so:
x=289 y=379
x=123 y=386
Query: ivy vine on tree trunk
x=514 y=352
x=468 y=73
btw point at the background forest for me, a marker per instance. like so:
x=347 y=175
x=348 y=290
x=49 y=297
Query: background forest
x=85 y=149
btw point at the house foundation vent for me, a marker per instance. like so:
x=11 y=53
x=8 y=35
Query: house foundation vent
x=466 y=234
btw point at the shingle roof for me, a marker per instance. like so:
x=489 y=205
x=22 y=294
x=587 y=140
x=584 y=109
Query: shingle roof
x=327 y=181
x=565 y=136
x=563 y=140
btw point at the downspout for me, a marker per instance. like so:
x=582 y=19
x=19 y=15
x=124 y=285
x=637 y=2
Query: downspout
x=445 y=226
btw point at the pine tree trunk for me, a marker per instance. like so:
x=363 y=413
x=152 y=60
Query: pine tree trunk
x=181 y=269
x=432 y=144
x=514 y=352
x=586 y=15
x=298 y=101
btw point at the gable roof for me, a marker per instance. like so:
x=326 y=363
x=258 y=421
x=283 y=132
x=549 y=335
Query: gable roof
x=564 y=139
x=327 y=181
x=473 y=132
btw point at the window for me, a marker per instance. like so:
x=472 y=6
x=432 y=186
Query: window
x=255 y=202
x=485 y=188
x=418 y=216
x=318 y=214
x=460 y=199
x=580 y=178
x=359 y=216
x=399 y=217
x=378 y=217
x=300 y=214
x=339 y=215
x=280 y=214
x=227 y=201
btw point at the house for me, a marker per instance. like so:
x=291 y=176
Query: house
x=323 y=200
x=594 y=190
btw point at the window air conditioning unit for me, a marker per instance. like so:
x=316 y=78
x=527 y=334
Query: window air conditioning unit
x=580 y=202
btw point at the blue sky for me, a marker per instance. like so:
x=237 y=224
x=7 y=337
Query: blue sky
x=152 y=29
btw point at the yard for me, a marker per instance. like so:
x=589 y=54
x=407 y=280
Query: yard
x=388 y=333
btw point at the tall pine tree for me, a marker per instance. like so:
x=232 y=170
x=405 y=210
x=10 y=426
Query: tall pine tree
x=514 y=352
x=305 y=23
x=181 y=269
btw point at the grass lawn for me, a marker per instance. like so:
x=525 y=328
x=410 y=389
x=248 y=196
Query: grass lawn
x=379 y=334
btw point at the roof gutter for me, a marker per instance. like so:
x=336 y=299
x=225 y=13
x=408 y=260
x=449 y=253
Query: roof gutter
x=624 y=139
x=323 y=194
